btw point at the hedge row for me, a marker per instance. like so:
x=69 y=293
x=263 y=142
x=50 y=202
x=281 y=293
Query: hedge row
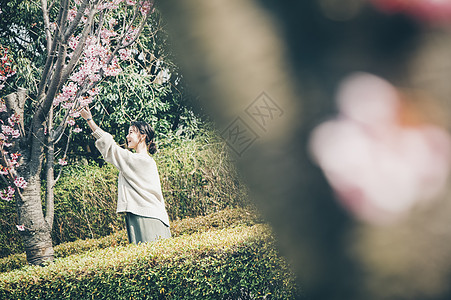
x=219 y=220
x=233 y=263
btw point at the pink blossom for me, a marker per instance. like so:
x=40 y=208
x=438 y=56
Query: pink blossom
x=11 y=191
x=94 y=91
x=7 y=130
x=112 y=22
x=20 y=227
x=15 y=133
x=53 y=27
x=84 y=101
x=95 y=50
x=73 y=42
x=77 y=130
x=13 y=119
x=131 y=34
x=109 y=5
x=67 y=105
x=58 y=99
x=7 y=195
x=62 y=162
x=70 y=89
x=14 y=159
x=2 y=106
x=94 y=77
x=145 y=8
x=3 y=170
x=20 y=182
x=106 y=34
x=75 y=114
x=71 y=14
x=71 y=122
x=113 y=70
x=125 y=54
x=78 y=77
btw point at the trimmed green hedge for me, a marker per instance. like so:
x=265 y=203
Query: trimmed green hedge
x=233 y=263
x=219 y=220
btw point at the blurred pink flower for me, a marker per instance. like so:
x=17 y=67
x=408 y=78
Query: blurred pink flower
x=378 y=167
x=432 y=11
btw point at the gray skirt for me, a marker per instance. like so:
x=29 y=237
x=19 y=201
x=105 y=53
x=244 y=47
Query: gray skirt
x=143 y=229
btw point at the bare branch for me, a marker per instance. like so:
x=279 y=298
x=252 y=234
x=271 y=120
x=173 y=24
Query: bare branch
x=48 y=100
x=48 y=35
x=141 y=27
x=73 y=25
x=100 y=24
x=51 y=5
x=50 y=57
x=63 y=21
x=65 y=153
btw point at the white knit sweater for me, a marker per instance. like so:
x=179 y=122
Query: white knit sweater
x=139 y=188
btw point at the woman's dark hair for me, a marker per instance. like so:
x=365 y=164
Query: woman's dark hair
x=148 y=131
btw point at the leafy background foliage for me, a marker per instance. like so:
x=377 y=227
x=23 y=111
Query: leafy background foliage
x=150 y=88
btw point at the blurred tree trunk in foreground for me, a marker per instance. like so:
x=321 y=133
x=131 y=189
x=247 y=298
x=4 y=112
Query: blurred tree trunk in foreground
x=268 y=73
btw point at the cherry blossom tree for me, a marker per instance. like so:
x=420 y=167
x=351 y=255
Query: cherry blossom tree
x=85 y=42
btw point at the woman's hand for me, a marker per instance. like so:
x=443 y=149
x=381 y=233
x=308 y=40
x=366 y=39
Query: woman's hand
x=86 y=113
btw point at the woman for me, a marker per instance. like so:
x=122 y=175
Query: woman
x=139 y=188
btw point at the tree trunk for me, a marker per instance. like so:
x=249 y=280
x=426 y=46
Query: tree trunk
x=37 y=234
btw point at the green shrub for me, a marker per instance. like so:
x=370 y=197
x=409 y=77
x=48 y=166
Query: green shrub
x=222 y=219
x=197 y=179
x=227 y=218
x=85 y=203
x=232 y=263
x=10 y=240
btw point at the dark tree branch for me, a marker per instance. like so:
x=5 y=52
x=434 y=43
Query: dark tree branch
x=73 y=25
